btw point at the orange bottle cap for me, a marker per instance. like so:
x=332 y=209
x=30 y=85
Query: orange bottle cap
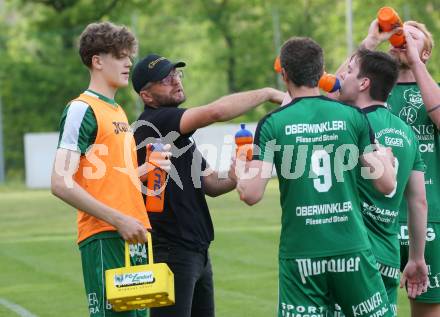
x=386 y=14
x=388 y=19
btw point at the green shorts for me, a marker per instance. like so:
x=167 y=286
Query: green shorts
x=99 y=253
x=390 y=278
x=432 y=258
x=310 y=287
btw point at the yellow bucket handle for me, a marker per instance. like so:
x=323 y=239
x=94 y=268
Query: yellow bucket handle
x=150 y=251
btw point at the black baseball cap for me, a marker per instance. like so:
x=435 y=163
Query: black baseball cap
x=152 y=68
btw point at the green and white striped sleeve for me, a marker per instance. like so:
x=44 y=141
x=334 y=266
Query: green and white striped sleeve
x=78 y=127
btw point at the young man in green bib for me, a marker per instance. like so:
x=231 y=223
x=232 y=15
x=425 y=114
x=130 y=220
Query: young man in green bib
x=419 y=110
x=316 y=145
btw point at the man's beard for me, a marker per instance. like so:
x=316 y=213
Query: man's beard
x=402 y=62
x=168 y=101
x=404 y=66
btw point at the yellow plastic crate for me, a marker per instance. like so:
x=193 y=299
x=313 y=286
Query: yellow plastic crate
x=140 y=286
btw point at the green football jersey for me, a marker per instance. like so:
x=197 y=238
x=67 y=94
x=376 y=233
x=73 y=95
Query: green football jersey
x=381 y=212
x=314 y=143
x=406 y=102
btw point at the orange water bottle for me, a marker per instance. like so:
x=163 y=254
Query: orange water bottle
x=329 y=83
x=244 y=141
x=388 y=20
x=155 y=179
x=277 y=65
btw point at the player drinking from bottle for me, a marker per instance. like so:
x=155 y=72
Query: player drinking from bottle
x=418 y=108
x=366 y=83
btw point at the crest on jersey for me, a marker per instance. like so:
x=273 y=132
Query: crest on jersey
x=414 y=101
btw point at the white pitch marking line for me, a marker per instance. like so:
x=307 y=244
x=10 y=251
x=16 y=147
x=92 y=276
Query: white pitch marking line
x=20 y=311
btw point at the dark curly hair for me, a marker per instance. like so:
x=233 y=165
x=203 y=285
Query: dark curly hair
x=106 y=37
x=303 y=61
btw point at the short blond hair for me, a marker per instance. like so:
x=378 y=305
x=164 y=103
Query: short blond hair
x=429 y=41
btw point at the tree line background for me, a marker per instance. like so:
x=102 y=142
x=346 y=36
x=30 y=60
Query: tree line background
x=228 y=45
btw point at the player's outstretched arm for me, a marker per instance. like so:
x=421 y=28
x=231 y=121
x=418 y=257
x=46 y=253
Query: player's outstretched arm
x=214 y=185
x=64 y=187
x=428 y=87
x=415 y=274
x=252 y=180
x=227 y=108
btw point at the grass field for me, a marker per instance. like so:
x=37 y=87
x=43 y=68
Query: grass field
x=40 y=265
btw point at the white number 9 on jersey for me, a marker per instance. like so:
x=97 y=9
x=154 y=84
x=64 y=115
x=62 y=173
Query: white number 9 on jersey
x=321 y=167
